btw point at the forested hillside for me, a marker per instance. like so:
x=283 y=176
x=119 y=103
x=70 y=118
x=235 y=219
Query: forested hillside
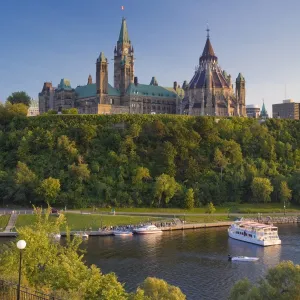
x=147 y=160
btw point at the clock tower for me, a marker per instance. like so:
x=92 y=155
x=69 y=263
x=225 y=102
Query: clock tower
x=123 y=60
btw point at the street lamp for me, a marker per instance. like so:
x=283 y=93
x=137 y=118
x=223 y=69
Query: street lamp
x=21 y=244
x=284 y=206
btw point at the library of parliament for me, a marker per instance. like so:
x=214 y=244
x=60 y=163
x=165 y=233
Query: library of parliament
x=209 y=92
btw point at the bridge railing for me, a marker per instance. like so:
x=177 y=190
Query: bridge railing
x=8 y=291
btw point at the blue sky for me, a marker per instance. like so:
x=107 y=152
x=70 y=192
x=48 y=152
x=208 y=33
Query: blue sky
x=49 y=40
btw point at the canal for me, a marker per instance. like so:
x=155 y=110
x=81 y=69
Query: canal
x=194 y=260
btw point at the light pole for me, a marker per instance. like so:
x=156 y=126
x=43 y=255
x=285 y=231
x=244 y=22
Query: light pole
x=284 y=206
x=21 y=244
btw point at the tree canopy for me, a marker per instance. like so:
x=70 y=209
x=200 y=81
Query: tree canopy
x=281 y=283
x=19 y=97
x=148 y=160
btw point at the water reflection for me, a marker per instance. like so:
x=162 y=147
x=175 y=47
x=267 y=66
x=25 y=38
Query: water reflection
x=269 y=256
x=196 y=261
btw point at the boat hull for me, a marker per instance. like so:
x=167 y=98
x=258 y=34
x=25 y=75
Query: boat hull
x=254 y=241
x=148 y=232
x=119 y=233
x=244 y=258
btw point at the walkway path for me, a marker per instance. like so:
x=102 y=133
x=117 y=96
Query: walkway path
x=11 y=222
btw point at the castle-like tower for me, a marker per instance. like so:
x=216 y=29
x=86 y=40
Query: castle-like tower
x=123 y=61
x=210 y=92
x=101 y=78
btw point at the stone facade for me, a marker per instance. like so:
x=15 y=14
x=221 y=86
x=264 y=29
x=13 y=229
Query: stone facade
x=126 y=96
x=211 y=92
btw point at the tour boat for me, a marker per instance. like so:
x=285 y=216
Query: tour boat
x=147 y=229
x=242 y=258
x=255 y=233
x=122 y=233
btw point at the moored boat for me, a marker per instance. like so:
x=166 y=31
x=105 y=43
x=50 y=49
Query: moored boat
x=83 y=235
x=147 y=229
x=122 y=233
x=255 y=233
x=242 y=258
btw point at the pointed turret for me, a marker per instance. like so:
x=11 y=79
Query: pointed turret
x=124 y=37
x=264 y=113
x=101 y=57
x=240 y=78
x=208 y=51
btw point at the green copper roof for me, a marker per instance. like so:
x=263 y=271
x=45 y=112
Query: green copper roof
x=263 y=112
x=150 y=91
x=64 y=84
x=240 y=77
x=178 y=91
x=90 y=90
x=124 y=37
x=101 y=57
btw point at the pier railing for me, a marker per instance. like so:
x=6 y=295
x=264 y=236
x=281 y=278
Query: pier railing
x=8 y=291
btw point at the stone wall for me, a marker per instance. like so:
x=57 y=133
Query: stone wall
x=275 y=219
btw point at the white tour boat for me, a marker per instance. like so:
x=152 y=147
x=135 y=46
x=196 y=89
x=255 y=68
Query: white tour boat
x=255 y=233
x=147 y=229
x=122 y=233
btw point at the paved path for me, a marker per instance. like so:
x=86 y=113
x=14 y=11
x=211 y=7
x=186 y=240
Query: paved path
x=11 y=222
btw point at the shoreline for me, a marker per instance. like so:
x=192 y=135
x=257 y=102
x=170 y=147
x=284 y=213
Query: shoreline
x=191 y=226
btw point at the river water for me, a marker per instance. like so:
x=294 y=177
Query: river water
x=194 y=260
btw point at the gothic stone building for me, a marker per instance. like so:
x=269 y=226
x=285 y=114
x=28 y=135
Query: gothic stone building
x=210 y=92
x=126 y=96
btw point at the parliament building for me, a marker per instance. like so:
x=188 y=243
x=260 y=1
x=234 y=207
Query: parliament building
x=210 y=91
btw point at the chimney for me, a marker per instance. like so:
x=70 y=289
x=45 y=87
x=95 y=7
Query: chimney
x=175 y=85
x=136 y=82
x=90 y=80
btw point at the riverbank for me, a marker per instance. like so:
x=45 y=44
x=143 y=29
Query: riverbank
x=178 y=225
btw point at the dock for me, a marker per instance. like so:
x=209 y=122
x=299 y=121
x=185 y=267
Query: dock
x=110 y=232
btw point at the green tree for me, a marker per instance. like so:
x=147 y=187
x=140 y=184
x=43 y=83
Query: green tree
x=49 y=189
x=281 y=283
x=70 y=111
x=285 y=194
x=165 y=188
x=50 y=266
x=210 y=208
x=19 y=97
x=220 y=160
x=261 y=189
x=141 y=174
x=189 y=200
x=158 y=289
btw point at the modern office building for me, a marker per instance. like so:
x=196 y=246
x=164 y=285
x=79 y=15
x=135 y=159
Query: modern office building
x=252 y=111
x=288 y=109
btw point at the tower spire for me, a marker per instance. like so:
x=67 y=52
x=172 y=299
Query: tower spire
x=123 y=36
x=208 y=30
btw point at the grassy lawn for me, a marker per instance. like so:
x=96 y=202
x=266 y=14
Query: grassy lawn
x=207 y=219
x=84 y=222
x=232 y=207
x=3 y=221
